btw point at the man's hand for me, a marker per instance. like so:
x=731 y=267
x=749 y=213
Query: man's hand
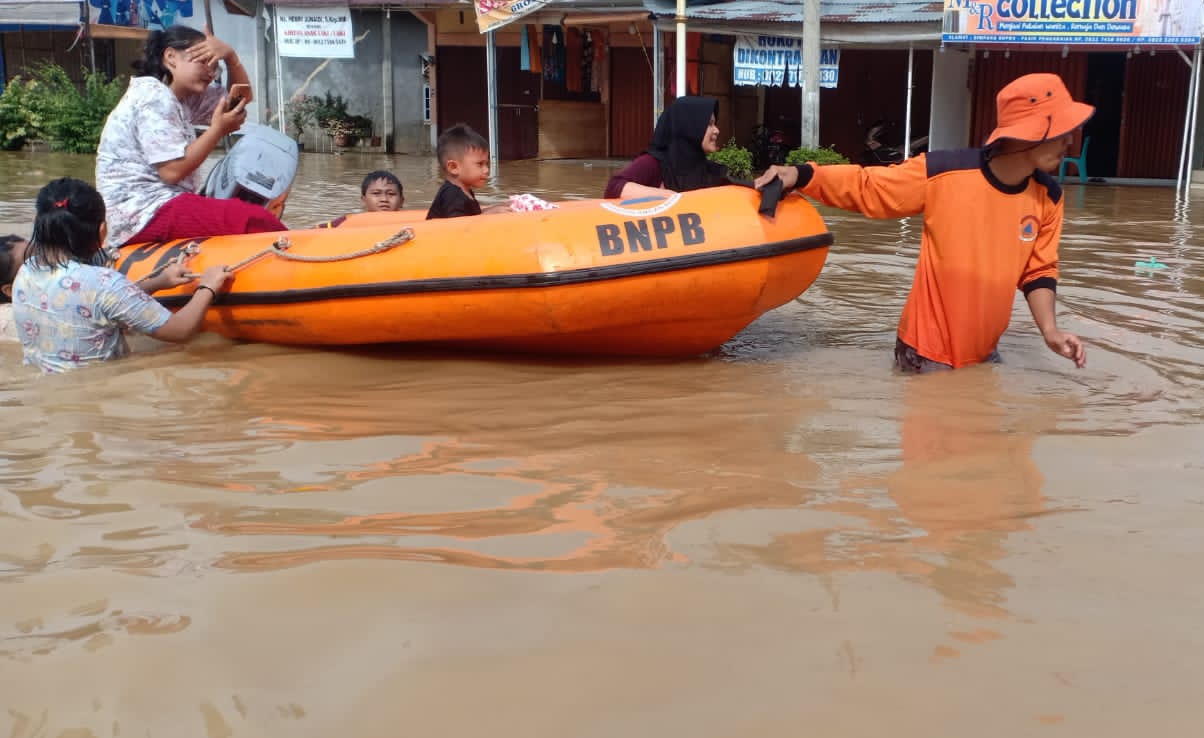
x=1068 y=345
x=788 y=175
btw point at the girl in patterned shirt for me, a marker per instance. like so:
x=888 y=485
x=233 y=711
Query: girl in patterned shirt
x=70 y=312
x=148 y=156
x=12 y=253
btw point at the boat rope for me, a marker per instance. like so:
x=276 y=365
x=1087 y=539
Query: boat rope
x=280 y=248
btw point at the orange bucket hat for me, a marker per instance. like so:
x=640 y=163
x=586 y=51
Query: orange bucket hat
x=1036 y=108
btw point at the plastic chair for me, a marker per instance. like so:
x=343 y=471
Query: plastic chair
x=1080 y=162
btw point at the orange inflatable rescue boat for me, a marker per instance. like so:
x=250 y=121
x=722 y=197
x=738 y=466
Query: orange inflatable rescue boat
x=673 y=276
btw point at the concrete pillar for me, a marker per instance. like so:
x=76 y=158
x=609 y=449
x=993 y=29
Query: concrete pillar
x=949 y=119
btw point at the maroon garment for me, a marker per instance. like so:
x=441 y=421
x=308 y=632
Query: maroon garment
x=644 y=169
x=572 y=65
x=187 y=215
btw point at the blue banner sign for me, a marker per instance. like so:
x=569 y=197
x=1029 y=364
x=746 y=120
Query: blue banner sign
x=775 y=61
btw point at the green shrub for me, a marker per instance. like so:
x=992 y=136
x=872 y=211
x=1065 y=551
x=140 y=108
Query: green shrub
x=50 y=106
x=824 y=155
x=72 y=120
x=16 y=123
x=737 y=159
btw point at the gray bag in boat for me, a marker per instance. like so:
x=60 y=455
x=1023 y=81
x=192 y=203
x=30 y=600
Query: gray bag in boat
x=259 y=168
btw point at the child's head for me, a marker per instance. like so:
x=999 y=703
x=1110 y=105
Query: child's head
x=165 y=57
x=12 y=256
x=464 y=155
x=70 y=223
x=381 y=190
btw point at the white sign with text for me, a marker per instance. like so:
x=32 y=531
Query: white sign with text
x=776 y=60
x=315 y=33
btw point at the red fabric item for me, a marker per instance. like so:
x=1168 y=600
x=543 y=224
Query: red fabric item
x=573 y=81
x=190 y=215
x=533 y=36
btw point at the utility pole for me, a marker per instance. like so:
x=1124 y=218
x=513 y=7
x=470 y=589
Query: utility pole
x=809 y=137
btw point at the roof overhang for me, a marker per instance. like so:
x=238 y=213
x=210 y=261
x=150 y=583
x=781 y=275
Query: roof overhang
x=878 y=35
x=58 y=13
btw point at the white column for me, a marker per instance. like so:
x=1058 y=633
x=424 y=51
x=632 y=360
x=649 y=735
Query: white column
x=1187 y=131
x=949 y=115
x=658 y=72
x=491 y=83
x=681 y=48
x=911 y=64
x=386 y=67
x=1192 y=110
x=280 y=117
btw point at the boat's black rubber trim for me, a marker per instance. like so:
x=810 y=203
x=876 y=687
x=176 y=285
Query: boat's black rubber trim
x=517 y=281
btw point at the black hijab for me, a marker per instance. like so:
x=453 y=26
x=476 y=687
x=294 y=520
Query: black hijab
x=677 y=145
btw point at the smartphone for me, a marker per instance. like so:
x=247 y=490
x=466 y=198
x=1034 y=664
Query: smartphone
x=238 y=93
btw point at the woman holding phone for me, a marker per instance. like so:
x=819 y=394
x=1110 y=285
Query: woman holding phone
x=149 y=154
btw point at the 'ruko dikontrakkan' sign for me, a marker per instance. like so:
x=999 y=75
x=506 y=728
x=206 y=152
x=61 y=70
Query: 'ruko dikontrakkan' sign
x=774 y=61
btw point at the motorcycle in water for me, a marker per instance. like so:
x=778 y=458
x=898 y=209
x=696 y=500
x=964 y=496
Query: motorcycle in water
x=878 y=153
x=769 y=146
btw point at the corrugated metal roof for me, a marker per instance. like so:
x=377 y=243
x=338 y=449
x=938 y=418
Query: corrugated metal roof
x=791 y=11
x=576 y=6
x=408 y=4
x=46 y=12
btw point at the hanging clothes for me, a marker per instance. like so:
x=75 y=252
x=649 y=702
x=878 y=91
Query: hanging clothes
x=587 y=61
x=553 y=54
x=599 y=44
x=524 y=52
x=531 y=34
x=573 y=81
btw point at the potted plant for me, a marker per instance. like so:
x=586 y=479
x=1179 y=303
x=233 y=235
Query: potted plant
x=343 y=130
x=332 y=116
x=300 y=111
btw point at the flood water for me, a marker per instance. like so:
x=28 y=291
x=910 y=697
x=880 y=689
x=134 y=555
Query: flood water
x=782 y=539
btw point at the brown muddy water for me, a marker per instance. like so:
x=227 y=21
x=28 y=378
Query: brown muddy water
x=782 y=539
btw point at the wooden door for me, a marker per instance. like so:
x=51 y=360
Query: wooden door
x=464 y=98
x=518 y=107
x=631 y=116
x=1154 y=107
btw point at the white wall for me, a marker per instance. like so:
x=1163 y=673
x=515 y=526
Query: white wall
x=239 y=31
x=950 y=118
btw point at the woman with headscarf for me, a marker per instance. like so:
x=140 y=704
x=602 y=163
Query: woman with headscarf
x=676 y=160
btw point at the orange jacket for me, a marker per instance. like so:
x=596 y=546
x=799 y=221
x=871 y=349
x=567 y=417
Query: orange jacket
x=982 y=240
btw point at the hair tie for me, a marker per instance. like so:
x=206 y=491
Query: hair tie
x=61 y=203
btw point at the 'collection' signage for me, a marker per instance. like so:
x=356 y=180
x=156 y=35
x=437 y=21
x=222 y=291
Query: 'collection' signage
x=1122 y=22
